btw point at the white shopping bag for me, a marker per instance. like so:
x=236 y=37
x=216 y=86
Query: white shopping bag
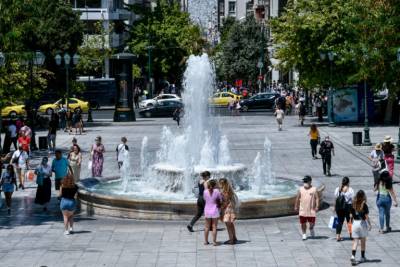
x=90 y=164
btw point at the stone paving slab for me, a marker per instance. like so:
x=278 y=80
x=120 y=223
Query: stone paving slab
x=34 y=238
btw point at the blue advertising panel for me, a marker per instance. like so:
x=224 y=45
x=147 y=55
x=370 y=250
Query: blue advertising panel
x=345 y=105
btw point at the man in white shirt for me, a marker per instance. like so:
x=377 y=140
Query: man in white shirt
x=12 y=129
x=279 y=114
x=20 y=161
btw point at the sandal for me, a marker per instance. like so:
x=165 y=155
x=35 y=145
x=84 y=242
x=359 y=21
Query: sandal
x=206 y=243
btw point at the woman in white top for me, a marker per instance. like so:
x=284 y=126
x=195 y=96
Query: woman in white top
x=344 y=195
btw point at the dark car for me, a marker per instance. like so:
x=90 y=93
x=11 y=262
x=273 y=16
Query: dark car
x=259 y=101
x=163 y=108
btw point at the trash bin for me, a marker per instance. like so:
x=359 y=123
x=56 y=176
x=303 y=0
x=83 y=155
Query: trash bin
x=43 y=142
x=357 y=138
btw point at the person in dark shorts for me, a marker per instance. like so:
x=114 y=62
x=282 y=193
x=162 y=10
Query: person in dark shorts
x=68 y=192
x=204 y=176
x=60 y=168
x=327 y=150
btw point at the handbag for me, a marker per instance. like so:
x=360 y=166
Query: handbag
x=333 y=222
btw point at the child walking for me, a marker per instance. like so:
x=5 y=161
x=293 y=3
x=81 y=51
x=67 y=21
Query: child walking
x=228 y=207
x=307 y=203
x=212 y=198
x=279 y=114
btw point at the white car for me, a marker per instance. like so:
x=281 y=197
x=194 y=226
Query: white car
x=152 y=102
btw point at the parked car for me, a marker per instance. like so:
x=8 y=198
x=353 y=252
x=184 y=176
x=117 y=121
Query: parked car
x=73 y=103
x=13 y=110
x=259 y=101
x=223 y=98
x=163 y=108
x=162 y=97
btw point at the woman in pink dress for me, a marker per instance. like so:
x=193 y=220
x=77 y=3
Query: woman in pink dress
x=97 y=152
x=212 y=198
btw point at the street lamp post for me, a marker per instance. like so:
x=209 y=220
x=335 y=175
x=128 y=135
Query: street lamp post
x=67 y=65
x=36 y=59
x=398 y=139
x=367 y=140
x=2 y=63
x=331 y=57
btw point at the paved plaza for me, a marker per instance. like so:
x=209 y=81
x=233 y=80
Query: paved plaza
x=31 y=237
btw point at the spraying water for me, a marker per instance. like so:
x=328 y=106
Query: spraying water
x=144 y=161
x=125 y=170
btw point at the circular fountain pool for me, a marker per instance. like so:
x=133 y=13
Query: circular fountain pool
x=105 y=197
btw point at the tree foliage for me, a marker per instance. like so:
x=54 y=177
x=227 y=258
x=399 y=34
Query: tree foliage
x=363 y=35
x=27 y=26
x=168 y=34
x=240 y=50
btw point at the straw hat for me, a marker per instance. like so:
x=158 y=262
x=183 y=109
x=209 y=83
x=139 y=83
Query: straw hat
x=378 y=146
x=388 y=139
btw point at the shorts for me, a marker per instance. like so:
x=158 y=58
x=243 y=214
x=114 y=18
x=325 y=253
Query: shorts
x=8 y=188
x=304 y=220
x=359 y=229
x=57 y=184
x=280 y=121
x=67 y=204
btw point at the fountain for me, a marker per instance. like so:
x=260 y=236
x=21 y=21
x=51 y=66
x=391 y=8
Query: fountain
x=164 y=188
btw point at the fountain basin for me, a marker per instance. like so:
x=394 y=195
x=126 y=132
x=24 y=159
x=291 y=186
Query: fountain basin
x=100 y=202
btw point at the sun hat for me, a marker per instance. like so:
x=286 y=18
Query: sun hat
x=378 y=146
x=388 y=139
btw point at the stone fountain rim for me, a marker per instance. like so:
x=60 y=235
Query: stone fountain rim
x=83 y=191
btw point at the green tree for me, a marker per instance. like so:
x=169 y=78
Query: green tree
x=168 y=35
x=239 y=53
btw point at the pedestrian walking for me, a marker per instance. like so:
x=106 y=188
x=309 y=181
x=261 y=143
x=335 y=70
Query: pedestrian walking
x=59 y=166
x=51 y=135
x=12 y=129
x=359 y=214
x=228 y=208
x=43 y=181
x=307 y=204
x=75 y=162
x=375 y=157
x=344 y=197
x=68 y=192
x=302 y=111
x=63 y=118
x=280 y=115
x=97 y=156
x=24 y=141
x=76 y=122
x=7 y=183
x=136 y=97
x=318 y=106
x=204 y=176
x=388 y=149
x=212 y=198
x=314 y=140
x=20 y=160
x=384 y=198
x=121 y=150
x=69 y=116
x=326 y=151
x=178 y=113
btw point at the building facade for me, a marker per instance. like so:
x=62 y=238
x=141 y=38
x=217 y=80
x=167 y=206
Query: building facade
x=113 y=18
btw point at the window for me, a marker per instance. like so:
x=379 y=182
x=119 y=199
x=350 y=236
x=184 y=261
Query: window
x=87 y=3
x=232 y=7
x=167 y=97
x=216 y=95
x=226 y=95
x=72 y=101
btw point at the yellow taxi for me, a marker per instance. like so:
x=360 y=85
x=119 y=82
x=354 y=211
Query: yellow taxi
x=73 y=104
x=223 y=98
x=12 y=110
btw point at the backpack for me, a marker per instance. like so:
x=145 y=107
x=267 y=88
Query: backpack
x=340 y=204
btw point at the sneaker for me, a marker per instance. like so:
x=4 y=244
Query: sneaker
x=363 y=259
x=353 y=261
x=312 y=233
x=66 y=232
x=190 y=228
x=329 y=173
x=388 y=229
x=304 y=237
x=71 y=230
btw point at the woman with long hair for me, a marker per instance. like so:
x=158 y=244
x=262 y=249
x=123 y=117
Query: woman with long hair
x=228 y=207
x=344 y=197
x=75 y=161
x=7 y=183
x=386 y=193
x=97 y=155
x=68 y=191
x=314 y=138
x=361 y=225
x=212 y=198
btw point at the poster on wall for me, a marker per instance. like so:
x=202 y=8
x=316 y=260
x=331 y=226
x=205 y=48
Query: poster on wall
x=345 y=105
